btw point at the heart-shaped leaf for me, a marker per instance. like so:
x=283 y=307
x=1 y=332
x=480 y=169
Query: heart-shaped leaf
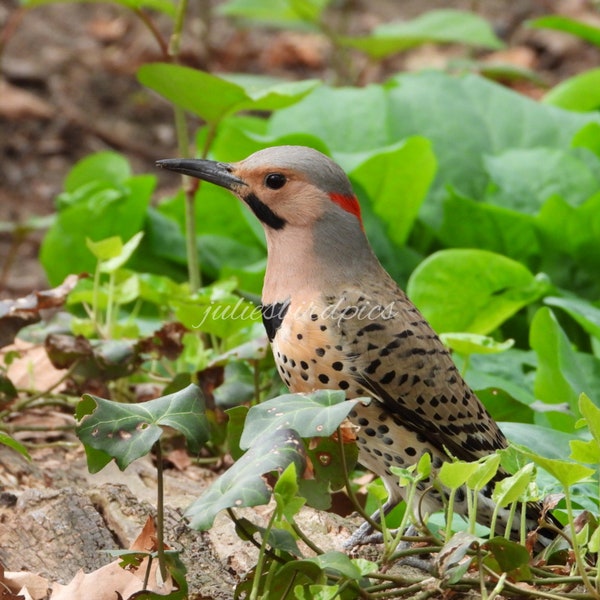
x=243 y=483
x=128 y=431
x=311 y=415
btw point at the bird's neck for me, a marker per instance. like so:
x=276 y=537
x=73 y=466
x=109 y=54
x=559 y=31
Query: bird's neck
x=306 y=262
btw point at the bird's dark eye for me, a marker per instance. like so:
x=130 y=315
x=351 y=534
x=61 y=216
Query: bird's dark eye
x=275 y=181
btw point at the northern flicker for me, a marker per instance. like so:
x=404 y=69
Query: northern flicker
x=337 y=320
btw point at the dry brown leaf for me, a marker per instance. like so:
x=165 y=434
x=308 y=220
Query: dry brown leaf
x=108 y=581
x=180 y=458
x=29 y=585
x=16 y=103
x=33 y=370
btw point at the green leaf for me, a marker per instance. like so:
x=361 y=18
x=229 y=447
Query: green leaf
x=105 y=249
x=468 y=223
x=481 y=290
x=580 y=93
x=526 y=178
x=6 y=440
x=208 y=96
x=317 y=414
x=441 y=26
x=510 y=489
x=585 y=313
x=585 y=452
x=96 y=211
x=559 y=378
x=109 y=167
x=277 y=538
x=270 y=93
x=128 y=248
x=212 y=97
x=584 y=31
x=397 y=180
x=472 y=343
x=243 y=484
x=455 y=474
x=591 y=414
x=511 y=558
x=128 y=431
x=567 y=472
x=486 y=470
x=302 y=14
x=165 y=6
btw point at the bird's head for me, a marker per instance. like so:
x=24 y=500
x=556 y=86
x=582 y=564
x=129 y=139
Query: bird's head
x=285 y=186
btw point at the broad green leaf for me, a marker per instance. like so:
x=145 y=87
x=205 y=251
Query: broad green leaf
x=105 y=249
x=542 y=440
x=526 y=178
x=201 y=93
x=277 y=538
x=441 y=26
x=559 y=378
x=97 y=213
x=270 y=93
x=338 y=563
x=473 y=343
x=585 y=451
x=102 y=166
x=165 y=6
x=591 y=414
x=212 y=97
x=585 y=313
x=585 y=31
x=567 y=472
x=473 y=291
x=511 y=488
x=302 y=14
x=6 y=440
x=579 y=93
x=128 y=431
x=565 y=231
x=285 y=493
x=477 y=118
x=128 y=248
x=468 y=223
x=328 y=468
x=511 y=558
x=485 y=472
x=397 y=180
x=317 y=414
x=455 y=474
x=243 y=483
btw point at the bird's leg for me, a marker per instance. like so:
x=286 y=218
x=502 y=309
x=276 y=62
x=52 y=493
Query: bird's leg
x=365 y=534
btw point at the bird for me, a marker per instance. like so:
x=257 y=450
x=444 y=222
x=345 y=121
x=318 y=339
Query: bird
x=337 y=320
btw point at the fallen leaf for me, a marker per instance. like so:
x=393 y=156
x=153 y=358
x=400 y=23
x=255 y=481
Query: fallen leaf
x=16 y=103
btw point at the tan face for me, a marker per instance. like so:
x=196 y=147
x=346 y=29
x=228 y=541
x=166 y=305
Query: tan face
x=288 y=193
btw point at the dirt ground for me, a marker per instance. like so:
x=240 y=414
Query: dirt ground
x=67 y=89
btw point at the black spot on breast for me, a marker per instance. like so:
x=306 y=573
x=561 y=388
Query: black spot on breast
x=272 y=317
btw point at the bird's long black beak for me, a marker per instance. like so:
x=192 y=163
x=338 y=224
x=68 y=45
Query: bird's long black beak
x=208 y=170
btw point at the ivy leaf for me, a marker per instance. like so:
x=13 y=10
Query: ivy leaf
x=312 y=415
x=128 y=431
x=243 y=483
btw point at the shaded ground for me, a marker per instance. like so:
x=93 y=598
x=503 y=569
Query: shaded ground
x=68 y=88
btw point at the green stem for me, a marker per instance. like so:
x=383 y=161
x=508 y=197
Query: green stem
x=576 y=549
x=355 y=503
x=147 y=573
x=110 y=306
x=160 y=512
x=261 y=559
x=156 y=34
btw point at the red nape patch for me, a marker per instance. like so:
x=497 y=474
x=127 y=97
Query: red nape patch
x=348 y=203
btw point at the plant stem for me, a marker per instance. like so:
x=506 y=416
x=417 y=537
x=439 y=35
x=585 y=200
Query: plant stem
x=149 y=23
x=261 y=559
x=160 y=512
